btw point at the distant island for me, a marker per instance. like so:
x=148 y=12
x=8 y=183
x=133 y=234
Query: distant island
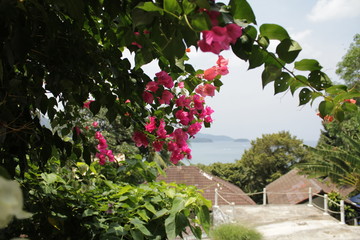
x=206 y=138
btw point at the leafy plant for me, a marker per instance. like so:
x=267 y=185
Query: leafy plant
x=80 y=202
x=234 y=232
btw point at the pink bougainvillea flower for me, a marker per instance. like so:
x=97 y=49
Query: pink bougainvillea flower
x=211 y=73
x=183 y=116
x=219 y=38
x=152 y=86
x=161 y=132
x=194 y=128
x=164 y=79
x=214 y=17
x=127 y=101
x=353 y=101
x=140 y=139
x=95 y=124
x=180 y=137
x=148 y=97
x=221 y=62
x=87 y=104
x=146 y=31
x=151 y=126
x=166 y=97
x=136 y=33
x=181 y=85
x=77 y=130
x=234 y=31
x=158 y=145
x=136 y=44
x=198 y=102
x=183 y=101
x=206 y=90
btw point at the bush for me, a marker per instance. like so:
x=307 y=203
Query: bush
x=234 y=232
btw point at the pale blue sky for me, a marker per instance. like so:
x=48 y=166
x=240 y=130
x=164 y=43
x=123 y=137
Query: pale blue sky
x=324 y=29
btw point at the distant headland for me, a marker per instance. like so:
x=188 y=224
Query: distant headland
x=206 y=138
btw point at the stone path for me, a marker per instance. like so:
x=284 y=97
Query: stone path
x=293 y=222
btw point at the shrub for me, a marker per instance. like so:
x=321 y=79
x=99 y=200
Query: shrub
x=234 y=232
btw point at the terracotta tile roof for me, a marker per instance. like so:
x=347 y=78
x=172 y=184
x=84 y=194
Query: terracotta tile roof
x=293 y=188
x=191 y=175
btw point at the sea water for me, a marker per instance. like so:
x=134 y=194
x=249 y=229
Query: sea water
x=221 y=151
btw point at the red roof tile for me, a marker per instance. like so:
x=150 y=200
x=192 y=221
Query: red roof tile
x=191 y=175
x=293 y=188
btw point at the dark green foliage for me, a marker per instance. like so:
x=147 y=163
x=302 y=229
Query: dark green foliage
x=101 y=202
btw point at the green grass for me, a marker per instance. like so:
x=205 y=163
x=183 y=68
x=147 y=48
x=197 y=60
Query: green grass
x=234 y=232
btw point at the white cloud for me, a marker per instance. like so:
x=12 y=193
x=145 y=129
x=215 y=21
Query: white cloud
x=334 y=9
x=301 y=36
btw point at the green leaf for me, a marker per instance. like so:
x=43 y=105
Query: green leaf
x=177 y=205
x=170 y=226
x=217 y=83
x=50 y=178
x=188 y=6
x=243 y=46
x=203 y=4
x=339 y=115
x=150 y=7
x=172 y=6
x=326 y=107
x=298 y=81
x=204 y=217
x=288 y=50
x=140 y=226
x=257 y=57
x=263 y=41
x=116 y=229
x=200 y=22
x=89 y=212
x=141 y=17
x=269 y=74
x=347 y=95
x=336 y=89
x=308 y=65
x=319 y=80
x=161 y=213
x=196 y=231
x=136 y=235
x=349 y=107
x=150 y=207
x=273 y=31
x=282 y=83
x=304 y=96
x=241 y=10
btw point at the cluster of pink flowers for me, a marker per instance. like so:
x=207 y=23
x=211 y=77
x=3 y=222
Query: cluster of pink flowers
x=210 y=74
x=104 y=153
x=190 y=113
x=163 y=79
x=219 y=38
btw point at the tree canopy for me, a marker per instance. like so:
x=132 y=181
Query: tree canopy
x=349 y=67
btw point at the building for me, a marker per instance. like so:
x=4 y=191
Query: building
x=191 y=175
x=293 y=188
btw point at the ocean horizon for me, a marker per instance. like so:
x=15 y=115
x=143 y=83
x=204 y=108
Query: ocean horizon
x=221 y=151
